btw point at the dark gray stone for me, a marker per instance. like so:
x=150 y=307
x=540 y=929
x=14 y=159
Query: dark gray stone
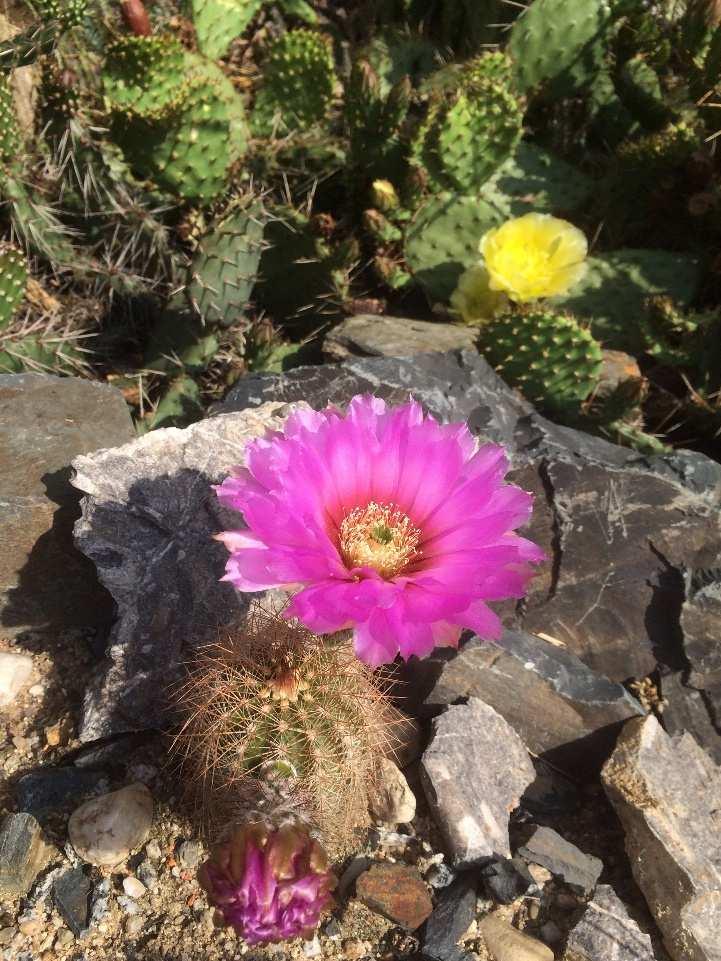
x=46 y=421
x=24 y=853
x=621 y=529
x=701 y=627
x=368 y=335
x=148 y=522
x=667 y=794
x=686 y=709
x=576 y=714
x=507 y=879
x=452 y=915
x=474 y=771
x=551 y=794
x=578 y=870
x=72 y=892
x=607 y=933
x=49 y=789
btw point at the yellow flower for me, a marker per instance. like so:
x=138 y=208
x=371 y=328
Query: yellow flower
x=533 y=256
x=473 y=300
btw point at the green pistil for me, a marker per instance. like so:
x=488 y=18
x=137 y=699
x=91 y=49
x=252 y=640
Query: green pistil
x=382 y=534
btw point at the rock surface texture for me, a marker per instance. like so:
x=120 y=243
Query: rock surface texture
x=106 y=829
x=367 y=335
x=45 y=422
x=148 y=523
x=607 y=933
x=667 y=793
x=474 y=771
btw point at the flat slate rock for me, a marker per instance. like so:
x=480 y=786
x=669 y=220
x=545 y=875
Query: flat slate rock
x=606 y=932
x=72 y=892
x=24 y=852
x=46 y=421
x=621 y=529
x=49 y=789
x=576 y=714
x=564 y=860
x=368 y=335
x=452 y=916
x=474 y=771
x=148 y=520
x=667 y=794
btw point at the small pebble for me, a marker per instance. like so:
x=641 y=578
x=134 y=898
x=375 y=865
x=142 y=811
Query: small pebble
x=64 y=938
x=30 y=926
x=134 y=925
x=539 y=874
x=152 y=849
x=6 y=935
x=534 y=910
x=189 y=854
x=354 y=949
x=312 y=949
x=134 y=888
x=37 y=690
x=440 y=876
x=128 y=905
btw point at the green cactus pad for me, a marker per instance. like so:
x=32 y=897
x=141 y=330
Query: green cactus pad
x=535 y=180
x=179 y=341
x=28 y=46
x=471 y=131
x=613 y=293
x=13 y=280
x=225 y=266
x=36 y=354
x=10 y=139
x=218 y=22
x=559 y=43
x=298 y=82
x=443 y=241
x=546 y=355
x=177 y=117
x=640 y=91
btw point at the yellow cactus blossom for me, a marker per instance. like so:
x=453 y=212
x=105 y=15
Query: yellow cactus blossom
x=533 y=256
x=473 y=301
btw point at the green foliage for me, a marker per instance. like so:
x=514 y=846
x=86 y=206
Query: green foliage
x=10 y=139
x=461 y=25
x=179 y=406
x=442 y=241
x=13 y=280
x=373 y=118
x=473 y=126
x=559 y=44
x=35 y=223
x=640 y=91
x=614 y=291
x=218 y=22
x=28 y=46
x=612 y=121
x=549 y=356
x=177 y=117
x=37 y=353
x=298 y=82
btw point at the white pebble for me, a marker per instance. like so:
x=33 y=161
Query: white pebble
x=133 y=887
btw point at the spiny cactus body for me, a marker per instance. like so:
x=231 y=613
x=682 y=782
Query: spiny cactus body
x=13 y=280
x=177 y=116
x=373 y=117
x=225 y=266
x=70 y=13
x=559 y=43
x=280 y=720
x=218 y=22
x=298 y=82
x=641 y=92
x=471 y=131
x=10 y=139
x=547 y=355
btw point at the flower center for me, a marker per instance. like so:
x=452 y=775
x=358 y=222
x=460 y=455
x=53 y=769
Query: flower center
x=379 y=536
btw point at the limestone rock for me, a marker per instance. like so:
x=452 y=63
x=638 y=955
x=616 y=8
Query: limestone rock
x=105 y=830
x=393 y=802
x=24 y=853
x=607 y=933
x=506 y=943
x=15 y=671
x=667 y=794
x=474 y=772
x=576 y=714
x=148 y=520
x=368 y=335
x=45 y=422
x=546 y=847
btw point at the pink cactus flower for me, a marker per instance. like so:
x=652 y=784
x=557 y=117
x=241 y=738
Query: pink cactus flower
x=269 y=884
x=387 y=521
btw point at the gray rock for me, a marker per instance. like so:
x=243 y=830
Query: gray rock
x=452 y=915
x=687 y=709
x=51 y=788
x=507 y=879
x=24 y=853
x=667 y=794
x=106 y=829
x=72 y=892
x=576 y=714
x=474 y=772
x=15 y=671
x=99 y=902
x=368 y=335
x=148 y=522
x=552 y=793
x=621 y=528
x=546 y=847
x=607 y=933
x=45 y=422
x=189 y=854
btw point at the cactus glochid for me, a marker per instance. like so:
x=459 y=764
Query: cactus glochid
x=547 y=355
x=294 y=722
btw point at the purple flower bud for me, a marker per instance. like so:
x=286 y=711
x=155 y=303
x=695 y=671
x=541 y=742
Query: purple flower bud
x=269 y=884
